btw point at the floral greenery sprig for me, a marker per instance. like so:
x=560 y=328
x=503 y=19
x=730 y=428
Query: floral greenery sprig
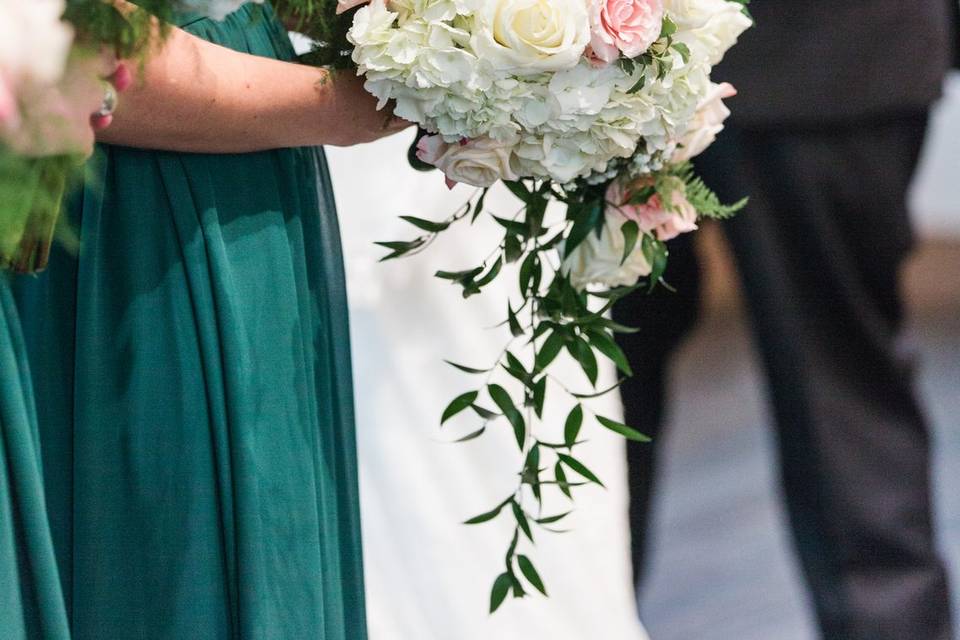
x=318 y=20
x=546 y=316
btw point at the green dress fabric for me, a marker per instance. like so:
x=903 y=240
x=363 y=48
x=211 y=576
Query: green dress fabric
x=31 y=601
x=192 y=371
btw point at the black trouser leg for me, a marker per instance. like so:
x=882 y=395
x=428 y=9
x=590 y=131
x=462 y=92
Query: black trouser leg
x=819 y=251
x=663 y=318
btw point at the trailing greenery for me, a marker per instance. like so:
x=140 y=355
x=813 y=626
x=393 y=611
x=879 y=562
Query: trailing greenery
x=545 y=317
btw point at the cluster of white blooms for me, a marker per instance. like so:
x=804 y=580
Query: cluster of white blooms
x=33 y=49
x=521 y=88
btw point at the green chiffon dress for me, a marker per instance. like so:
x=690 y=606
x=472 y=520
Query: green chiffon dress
x=193 y=384
x=31 y=602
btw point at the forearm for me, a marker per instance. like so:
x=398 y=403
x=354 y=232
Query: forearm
x=195 y=96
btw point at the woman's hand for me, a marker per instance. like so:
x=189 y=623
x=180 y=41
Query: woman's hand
x=354 y=113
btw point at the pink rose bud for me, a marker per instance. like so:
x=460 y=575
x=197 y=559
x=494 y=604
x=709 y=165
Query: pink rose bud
x=626 y=27
x=8 y=105
x=653 y=216
x=345 y=5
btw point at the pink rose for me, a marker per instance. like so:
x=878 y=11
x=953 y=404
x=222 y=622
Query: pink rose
x=345 y=5
x=8 y=104
x=430 y=149
x=706 y=124
x=479 y=162
x=623 y=26
x=665 y=220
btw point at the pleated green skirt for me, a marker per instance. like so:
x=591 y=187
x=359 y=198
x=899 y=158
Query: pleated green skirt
x=193 y=385
x=31 y=601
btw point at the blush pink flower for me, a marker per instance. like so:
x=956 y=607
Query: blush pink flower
x=706 y=124
x=8 y=104
x=625 y=27
x=345 y=5
x=665 y=220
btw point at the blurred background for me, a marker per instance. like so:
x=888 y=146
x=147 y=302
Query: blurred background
x=723 y=564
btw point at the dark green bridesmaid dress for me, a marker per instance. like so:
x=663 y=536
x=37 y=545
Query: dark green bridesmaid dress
x=194 y=397
x=31 y=602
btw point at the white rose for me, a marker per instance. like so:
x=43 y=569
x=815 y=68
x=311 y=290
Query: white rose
x=708 y=27
x=706 y=124
x=597 y=260
x=531 y=36
x=480 y=162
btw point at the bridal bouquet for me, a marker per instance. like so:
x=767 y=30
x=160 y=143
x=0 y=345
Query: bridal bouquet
x=597 y=105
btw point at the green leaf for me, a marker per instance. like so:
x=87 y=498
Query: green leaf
x=581 y=350
x=514 y=227
x=489 y=515
x=526 y=273
x=597 y=394
x=516 y=368
x=530 y=573
x=630 y=231
x=468 y=274
x=512 y=249
x=561 y=477
x=587 y=217
x=478 y=207
x=579 y=467
x=522 y=521
x=398 y=249
x=458 y=404
x=639 y=84
x=549 y=350
x=491 y=274
x=571 y=428
x=426 y=225
x=668 y=28
x=656 y=254
x=518 y=189
x=627 y=432
x=484 y=413
x=503 y=400
x=539 y=396
x=515 y=328
x=501 y=586
x=608 y=347
x=471 y=436
x=683 y=50
x=552 y=519
x=466 y=369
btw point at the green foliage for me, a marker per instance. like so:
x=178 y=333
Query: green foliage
x=99 y=23
x=547 y=317
x=318 y=20
x=702 y=197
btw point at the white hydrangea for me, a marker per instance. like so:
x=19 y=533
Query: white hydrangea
x=457 y=69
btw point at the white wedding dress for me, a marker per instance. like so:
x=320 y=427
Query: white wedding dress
x=428 y=576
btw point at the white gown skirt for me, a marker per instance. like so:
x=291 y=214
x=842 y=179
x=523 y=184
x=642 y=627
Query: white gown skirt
x=428 y=576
